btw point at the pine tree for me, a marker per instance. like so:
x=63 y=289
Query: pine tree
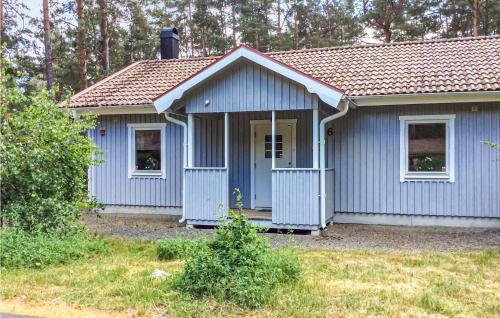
x=82 y=48
x=47 y=44
x=383 y=15
x=104 y=30
x=255 y=25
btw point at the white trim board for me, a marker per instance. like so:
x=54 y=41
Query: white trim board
x=141 y=210
x=328 y=94
x=131 y=150
x=253 y=123
x=426 y=98
x=414 y=220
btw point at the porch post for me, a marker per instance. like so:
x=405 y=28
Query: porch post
x=315 y=141
x=226 y=140
x=273 y=138
x=190 y=140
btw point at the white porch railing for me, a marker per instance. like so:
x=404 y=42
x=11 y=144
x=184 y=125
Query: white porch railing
x=206 y=191
x=295 y=196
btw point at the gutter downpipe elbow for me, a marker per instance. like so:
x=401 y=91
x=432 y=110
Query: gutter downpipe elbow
x=322 y=158
x=184 y=158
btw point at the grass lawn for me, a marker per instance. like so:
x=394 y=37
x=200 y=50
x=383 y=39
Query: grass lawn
x=335 y=283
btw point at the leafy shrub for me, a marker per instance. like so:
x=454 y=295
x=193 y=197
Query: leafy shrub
x=45 y=156
x=238 y=265
x=172 y=249
x=24 y=250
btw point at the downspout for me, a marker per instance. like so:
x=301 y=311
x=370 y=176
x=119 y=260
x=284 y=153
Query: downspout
x=184 y=158
x=322 y=159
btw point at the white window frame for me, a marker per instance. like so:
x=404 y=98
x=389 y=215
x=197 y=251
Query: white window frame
x=132 y=128
x=406 y=175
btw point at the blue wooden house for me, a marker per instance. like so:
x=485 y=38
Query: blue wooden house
x=381 y=134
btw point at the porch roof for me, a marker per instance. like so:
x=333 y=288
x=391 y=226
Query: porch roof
x=328 y=93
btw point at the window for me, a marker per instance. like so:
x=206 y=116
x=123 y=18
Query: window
x=268 y=146
x=427 y=147
x=146 y=149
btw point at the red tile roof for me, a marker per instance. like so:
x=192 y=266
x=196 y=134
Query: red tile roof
x=438 y=66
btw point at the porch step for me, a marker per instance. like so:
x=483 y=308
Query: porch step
x=258 y=214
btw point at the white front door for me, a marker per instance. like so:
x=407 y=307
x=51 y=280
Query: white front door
x=262 y=152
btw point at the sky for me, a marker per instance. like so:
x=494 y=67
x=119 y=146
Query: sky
x=34 y=6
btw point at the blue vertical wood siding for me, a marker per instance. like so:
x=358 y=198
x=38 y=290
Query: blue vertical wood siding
x=247 y=87
x=208 y=142
x=206 y=194
x=109 y=182
x=364 y=151
x=295 y=197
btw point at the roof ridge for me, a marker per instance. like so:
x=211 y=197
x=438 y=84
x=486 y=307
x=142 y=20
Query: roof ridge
x=342 y=47
x=358 y=46
x=194 y=58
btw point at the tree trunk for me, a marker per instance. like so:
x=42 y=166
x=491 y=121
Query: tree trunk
x=486 y=18
x=279 y=17
x=1 y=17
x=82 y=49
x=387 y=34
x=1 y=59
x=104 y=36
x=46 y=40
x=296 y=31
x=233 y=21
x=190 y=26
x=475 y=17
x=1 y=29
x=330 y=23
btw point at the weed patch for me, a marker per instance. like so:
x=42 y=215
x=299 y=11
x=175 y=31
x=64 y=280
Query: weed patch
x=173 y=249
x=25 y=250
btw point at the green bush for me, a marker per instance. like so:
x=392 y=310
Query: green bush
x=24 y=250
x=172 y=249
x=45 y=156
x=238 y=265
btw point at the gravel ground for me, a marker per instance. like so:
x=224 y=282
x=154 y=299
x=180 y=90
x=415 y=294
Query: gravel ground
x=338 y=236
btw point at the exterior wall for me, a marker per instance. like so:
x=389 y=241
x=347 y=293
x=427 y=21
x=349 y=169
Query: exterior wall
x=109 y=182
x=209 y=142
x=248 y=87
x=364 y=150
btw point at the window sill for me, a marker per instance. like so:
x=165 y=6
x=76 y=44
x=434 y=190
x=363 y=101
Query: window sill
x=139 y=174
x=426 y=178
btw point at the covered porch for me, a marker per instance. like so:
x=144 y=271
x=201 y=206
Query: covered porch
x=272 y=157
x=255 y=124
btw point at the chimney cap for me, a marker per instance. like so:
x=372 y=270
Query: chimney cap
x=169 y=33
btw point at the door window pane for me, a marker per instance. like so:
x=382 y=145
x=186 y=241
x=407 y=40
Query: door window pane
x=268 y=146
x=147 y=150
x=427 y=147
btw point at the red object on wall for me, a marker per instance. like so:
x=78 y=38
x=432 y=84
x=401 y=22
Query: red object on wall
x=102 y=131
